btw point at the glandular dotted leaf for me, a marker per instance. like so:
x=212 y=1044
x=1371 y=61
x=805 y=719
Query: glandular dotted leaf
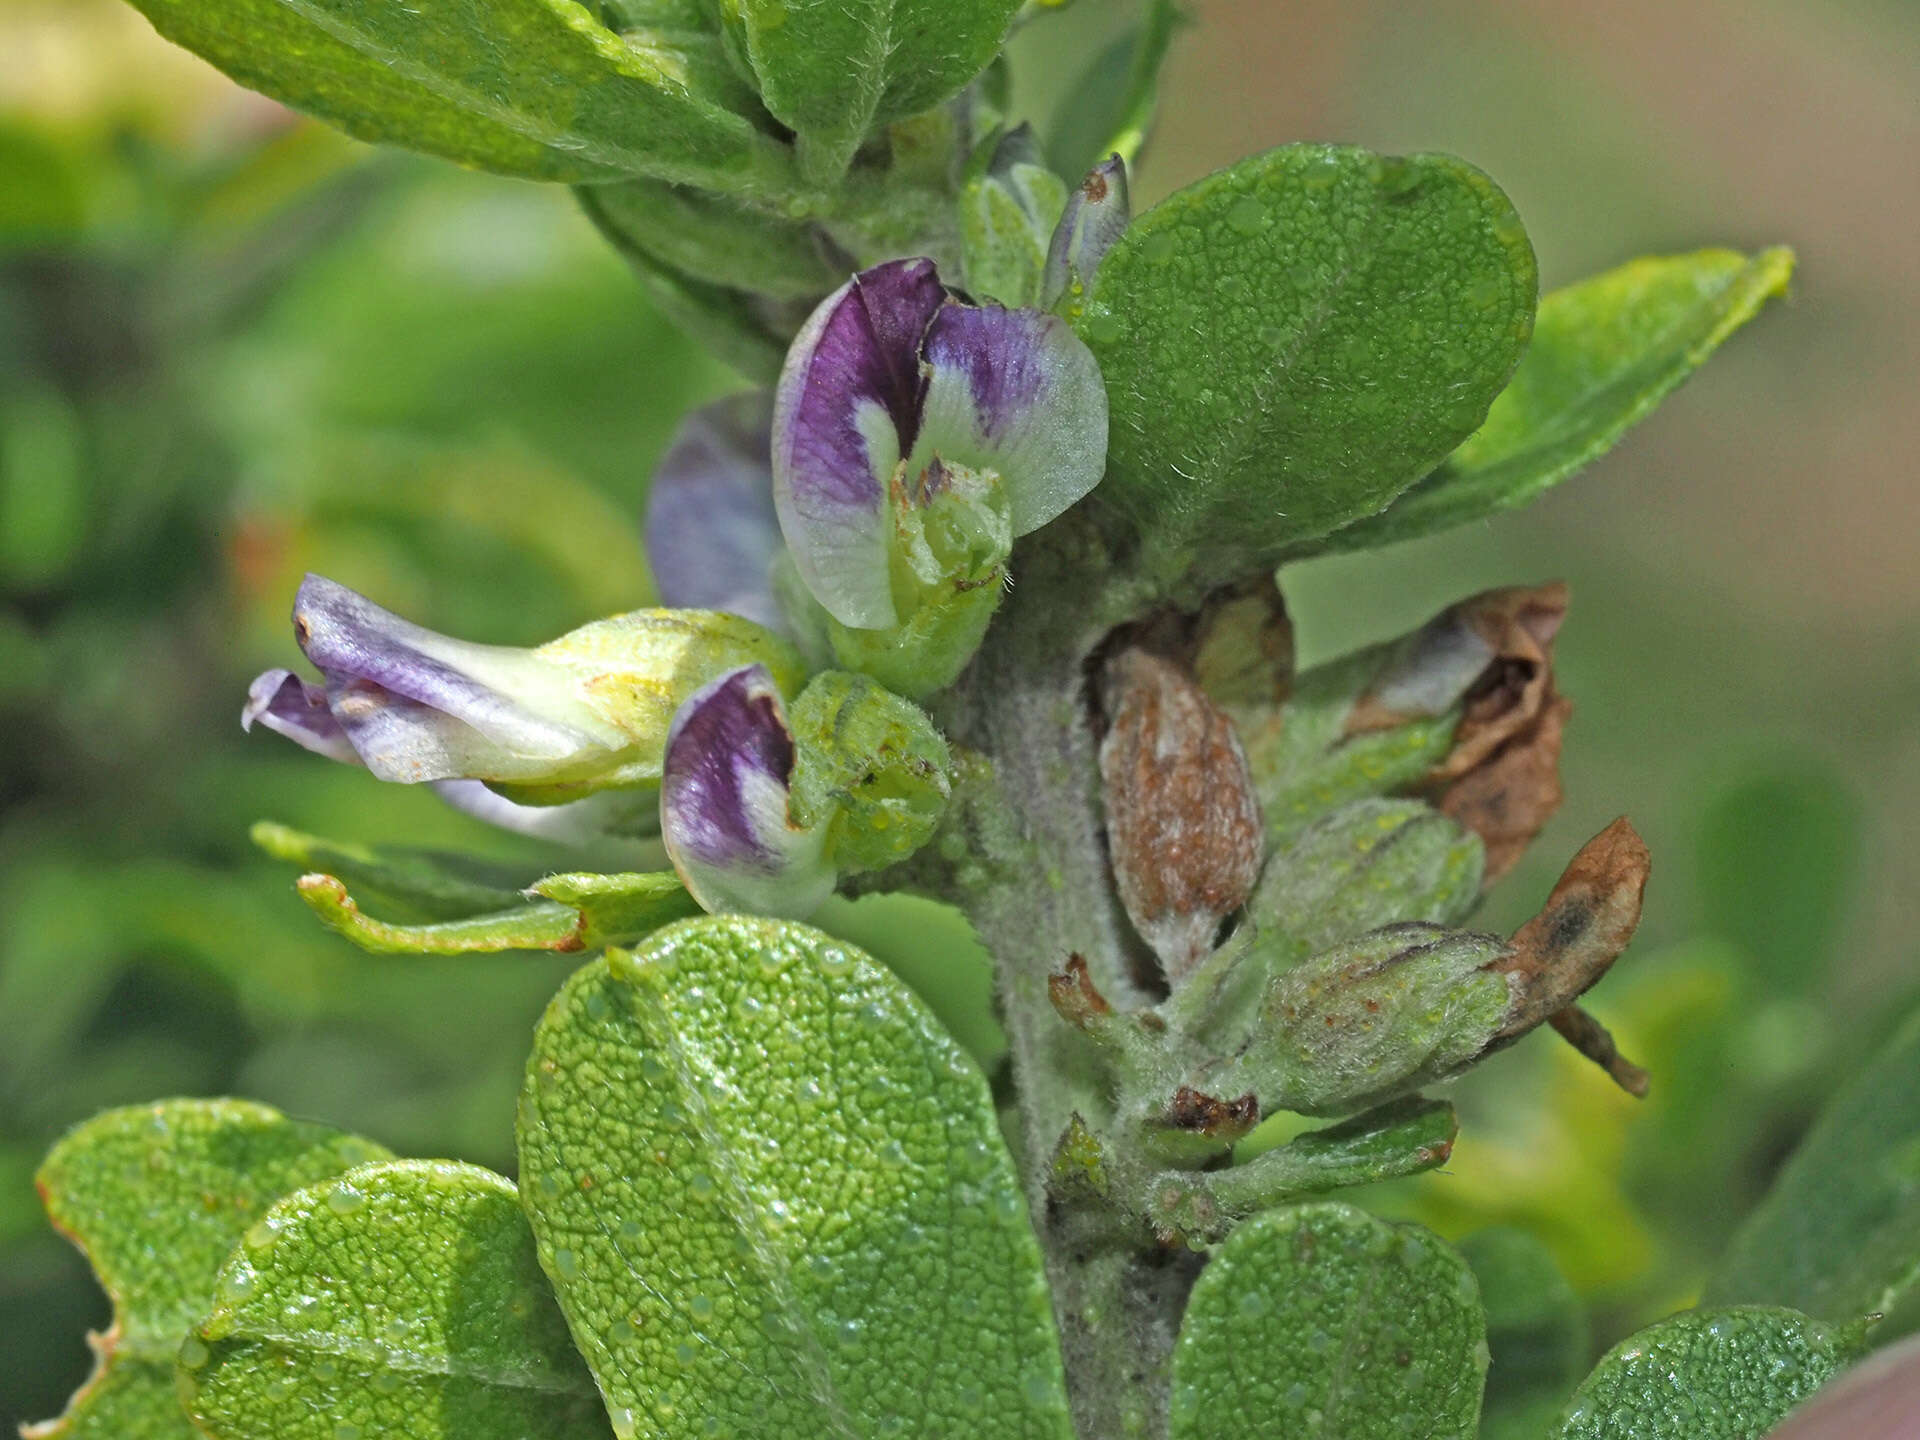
x=1706 y=1375
x=1291 y=342
x=157 y=1195
x=1322 y=1321
x=773 y=1199
x=399 y=1301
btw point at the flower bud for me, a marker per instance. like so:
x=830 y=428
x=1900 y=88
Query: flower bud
x=913 y=438
x=1097 y=214
x=1008 y=210
x=726 y=810
x=872 y=765
x=587 y=712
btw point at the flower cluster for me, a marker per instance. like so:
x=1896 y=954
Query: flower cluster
x=829 y=550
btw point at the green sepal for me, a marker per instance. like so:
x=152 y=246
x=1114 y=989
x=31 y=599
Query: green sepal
x=927 y=651
x=1405 y=1137
x=531 y=88
x=718 y=242
x=1838 y=1235
x=1708 y=1375
x=417 y=884
x=559 y=912
x=772 y=1197
x=1323 y=1320
x=835 y=73
x=399 y=1301
x=155 y=1196
x=1374 y=1018
x=1605 y=353
x=871 y=764
x=1291 y=342
x=1537 y=1330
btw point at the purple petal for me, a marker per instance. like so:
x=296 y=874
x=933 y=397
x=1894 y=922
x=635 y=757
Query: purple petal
x=1096 y=216
x=287 y=705
x=723 y=802
x=712 y=531
x=1015 y=391
x=417 y=705
x=847 y=408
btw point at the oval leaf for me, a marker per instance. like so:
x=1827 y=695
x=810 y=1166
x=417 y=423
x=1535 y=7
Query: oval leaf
x=833 y=71
x=1707 y=1375
x=1322 y=1320
x=1605 y=352
x=401 y=1301
x=1838 y=1236
x=534 y=88
x=1292 y=342
x=771 y=1193
x=156 y=1195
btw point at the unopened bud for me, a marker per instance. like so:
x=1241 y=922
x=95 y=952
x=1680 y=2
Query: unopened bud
x=1008 y=210
x=1096 y=216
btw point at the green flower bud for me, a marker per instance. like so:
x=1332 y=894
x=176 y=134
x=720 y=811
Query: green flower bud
x=869 y=763
x=1008 y=210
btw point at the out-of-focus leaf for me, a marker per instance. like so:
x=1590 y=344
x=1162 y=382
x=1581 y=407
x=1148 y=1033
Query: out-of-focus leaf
x=156 y=1196
x=1776 y=854
x=1322 y=1320
x=1110 y=109
x=1838 y=1236
x=533 y=88
x=400 y=1301
x=1537 y=1331
x=43 y=486
x=1291 y=342
x=771 y=1193
x=1706 y=1375
x=1605 y=352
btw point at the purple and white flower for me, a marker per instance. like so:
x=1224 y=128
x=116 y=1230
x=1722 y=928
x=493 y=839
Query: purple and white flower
x=587 y=712
x=725 y=803
x=893 y=383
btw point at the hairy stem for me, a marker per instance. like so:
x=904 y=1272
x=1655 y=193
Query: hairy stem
x=1044 y=894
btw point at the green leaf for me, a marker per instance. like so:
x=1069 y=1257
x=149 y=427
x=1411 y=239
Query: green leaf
x=156 y=1195
x=1706 y=1375
x=771 y=1193
x=422 y=884
x=1838 y=1236
x=561 y=912
x=1403 y=1137
x=1537 y=1329
x=534 y=88
x=401 y=1301
x=1323 y=1320
x=1605 y=352
x=833 y=70
x=1290 y=343
x=1111 y=107
x=717 y=241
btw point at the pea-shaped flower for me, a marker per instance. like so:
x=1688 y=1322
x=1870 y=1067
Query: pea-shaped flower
x=764 y=806
x=914 y=437
x=584 y=713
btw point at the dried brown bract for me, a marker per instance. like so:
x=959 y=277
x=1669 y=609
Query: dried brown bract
x=1183 y=827
x=1564 y=950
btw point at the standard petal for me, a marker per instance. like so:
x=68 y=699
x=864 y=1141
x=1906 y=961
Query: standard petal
x=1097 y=214
x=712 y=531
x=417 y=705
x=287 y=705
x=724 y=797
x=1015 y=391
x=847 y=408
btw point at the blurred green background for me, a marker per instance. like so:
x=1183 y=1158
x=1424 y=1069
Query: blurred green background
x=234 y=347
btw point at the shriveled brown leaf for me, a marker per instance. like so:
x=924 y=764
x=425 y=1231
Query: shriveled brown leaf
x=1183 y=827
x=1242 y=647
x=1587 y=922
x=1508 y=800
